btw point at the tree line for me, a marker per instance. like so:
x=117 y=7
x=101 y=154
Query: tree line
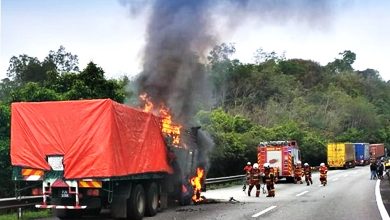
x=273 y=98
x=276 y=98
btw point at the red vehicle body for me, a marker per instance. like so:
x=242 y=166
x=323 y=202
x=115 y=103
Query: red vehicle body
x=377 y=151
x=282 y=156
x=92 y=154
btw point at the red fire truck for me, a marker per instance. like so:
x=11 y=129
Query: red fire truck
x=281 y=155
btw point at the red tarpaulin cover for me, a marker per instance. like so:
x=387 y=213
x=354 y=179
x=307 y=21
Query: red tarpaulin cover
x=98 y=138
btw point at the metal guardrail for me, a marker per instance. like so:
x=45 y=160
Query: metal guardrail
x=225 y=179
x=25 y=201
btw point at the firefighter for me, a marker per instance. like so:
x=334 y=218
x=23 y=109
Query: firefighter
x=255 y=179
x=307 y=173
x=323 y=173
x=247 y=170
x=298 y=173
x=269 y=177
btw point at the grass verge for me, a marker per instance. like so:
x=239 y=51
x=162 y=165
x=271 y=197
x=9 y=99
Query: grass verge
x=27 y=215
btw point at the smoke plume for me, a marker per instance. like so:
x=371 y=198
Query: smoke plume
x=178 y=34
x=181 y=32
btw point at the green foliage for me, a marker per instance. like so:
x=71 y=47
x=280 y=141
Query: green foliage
x=28 y=215
x=55 y=78
x=33 y=92
x=344 y=64
x=24 y=68
x=271 y=99
x=279 y=99
x=5 y=166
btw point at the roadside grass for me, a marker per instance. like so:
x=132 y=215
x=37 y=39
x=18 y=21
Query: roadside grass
x=27 y=215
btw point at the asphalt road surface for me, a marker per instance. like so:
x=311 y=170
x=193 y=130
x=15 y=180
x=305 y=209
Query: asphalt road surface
x=350 y=194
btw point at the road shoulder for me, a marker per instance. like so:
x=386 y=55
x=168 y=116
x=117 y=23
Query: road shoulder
x=385 y=193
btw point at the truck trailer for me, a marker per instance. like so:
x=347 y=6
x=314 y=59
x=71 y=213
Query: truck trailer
x=82 y=156
x=282 y=156
x=377 y=151
x=341 y=155
x=362 y=153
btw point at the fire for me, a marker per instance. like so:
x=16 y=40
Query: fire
x=196 y=183
x=148 y=105
x=168 y=127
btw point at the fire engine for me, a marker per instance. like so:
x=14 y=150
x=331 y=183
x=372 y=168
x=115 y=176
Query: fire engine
x=281 y=155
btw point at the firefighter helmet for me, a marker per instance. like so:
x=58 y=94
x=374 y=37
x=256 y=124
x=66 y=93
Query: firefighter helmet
x=266 y=165
x=255 y=166
x=299 y=162
x=322 y=164
x=306 y=164
x=249 y=163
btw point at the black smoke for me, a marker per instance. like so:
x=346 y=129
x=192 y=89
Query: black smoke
x=180 y=33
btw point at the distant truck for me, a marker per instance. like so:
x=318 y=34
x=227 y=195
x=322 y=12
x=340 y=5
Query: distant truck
x=362 y=153
x=83 y=156
x=282 y=156
x=341 y=155
x=377 y=151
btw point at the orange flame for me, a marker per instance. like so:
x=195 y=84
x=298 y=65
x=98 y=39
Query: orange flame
x=196 y=183
x=148 y=105
x=168 y=127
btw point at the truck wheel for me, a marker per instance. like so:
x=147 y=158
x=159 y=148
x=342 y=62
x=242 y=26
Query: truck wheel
x=136 y=203
x=92 y=212
x=185 y=200
x=67 y=213
x=151 y=199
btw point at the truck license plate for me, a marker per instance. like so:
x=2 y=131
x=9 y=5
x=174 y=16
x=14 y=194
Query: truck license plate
x=64 y=193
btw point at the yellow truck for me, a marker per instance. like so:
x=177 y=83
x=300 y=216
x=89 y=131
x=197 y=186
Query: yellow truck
x=341 y=155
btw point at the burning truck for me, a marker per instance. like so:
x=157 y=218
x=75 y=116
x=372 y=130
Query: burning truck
x=82 y=156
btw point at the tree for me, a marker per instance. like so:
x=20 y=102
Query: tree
x=344 y=64
x=56 y=78
x=33 y=92
x=219 y=59
x=62 y=61
x=261 y=56
x=25 y=69
x=5 y=166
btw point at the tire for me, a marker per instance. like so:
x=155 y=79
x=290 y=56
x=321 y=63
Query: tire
x=151 y=206
x=92 y=212
x=136 y=203
x=67 y=213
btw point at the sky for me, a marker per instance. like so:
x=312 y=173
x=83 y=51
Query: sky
x=105 y=32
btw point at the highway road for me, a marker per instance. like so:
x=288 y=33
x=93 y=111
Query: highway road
x=350 y=194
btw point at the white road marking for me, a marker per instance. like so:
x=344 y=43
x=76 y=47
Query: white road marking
x=264 y=211
x=335 y=179
x=302 y=193
x=379 y=202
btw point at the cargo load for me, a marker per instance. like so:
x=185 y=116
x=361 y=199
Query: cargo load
x=362 y=153
x=86 y=155
x=97 y=138
x=341 y=155
x=377 y=151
